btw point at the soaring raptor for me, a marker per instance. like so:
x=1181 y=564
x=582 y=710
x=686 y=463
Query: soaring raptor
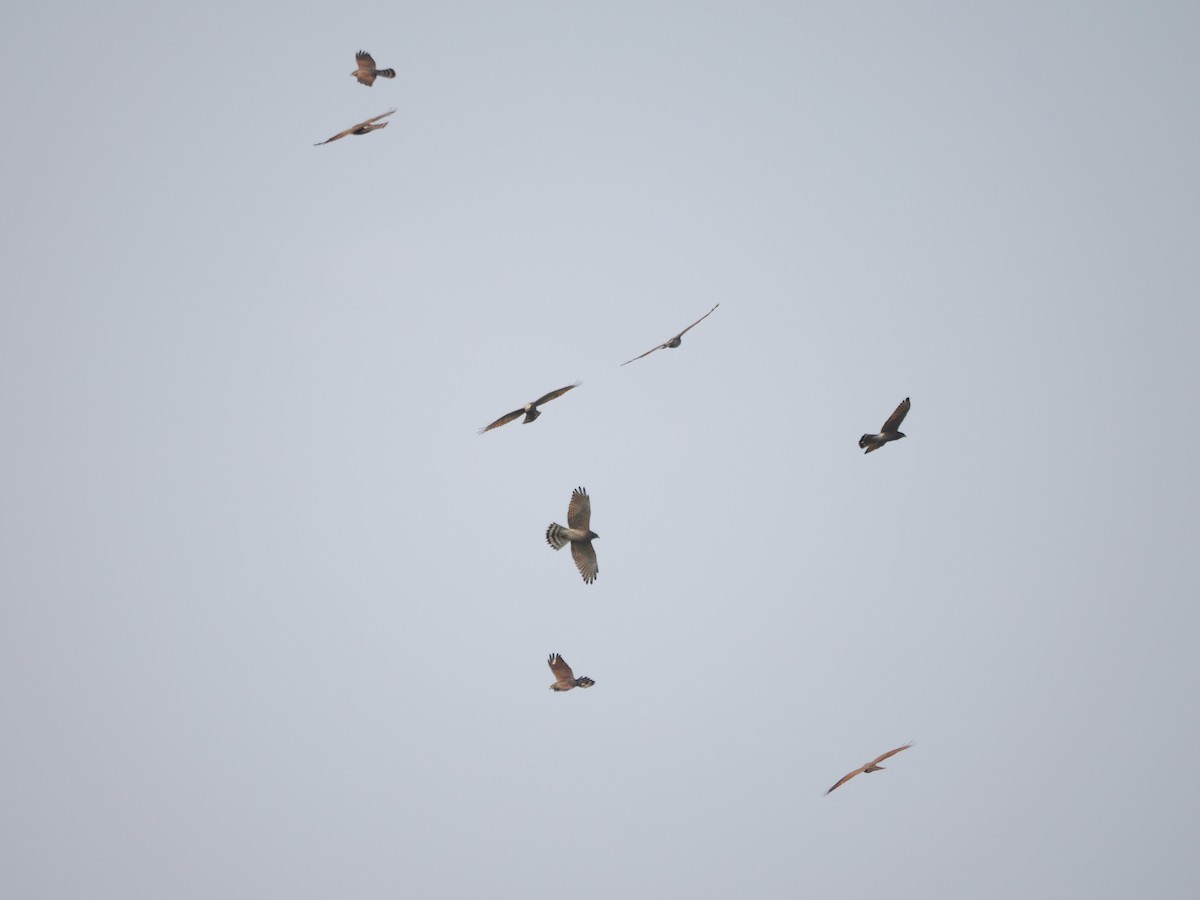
x=366 y=73
x=890 y=430
x=361 y=128
x=530 y=410
x=564 y=678
x=578 y=534
x=675 y=341
x=872 y=766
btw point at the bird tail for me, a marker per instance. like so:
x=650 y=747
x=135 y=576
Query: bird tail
x=386 y=73
x=584 y=682
x=864 y=440
x=555 y=536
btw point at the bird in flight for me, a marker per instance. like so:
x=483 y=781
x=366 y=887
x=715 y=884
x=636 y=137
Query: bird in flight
x=889 y=431
x=872 y=766
x=366 y=73
x=564 y=678
x=361 y=128
x=578 y=534
x=530 y=410
x=675 y=341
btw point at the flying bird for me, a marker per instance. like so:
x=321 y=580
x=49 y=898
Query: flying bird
x=361 y=128
x=530 y=410
x=872 y=766
x=366 y=73
x=889 y=431
x=675 y=341
x=564 y=678
x=578 y=534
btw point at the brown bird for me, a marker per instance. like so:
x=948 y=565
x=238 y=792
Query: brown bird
x=530 y=410
x=361 y=128
x=675 y=341
x=366 y=73
x=890 y=431
x=565 y=678
x=872 y=766
x=578 y=534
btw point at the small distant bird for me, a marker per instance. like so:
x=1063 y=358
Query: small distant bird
x=530 y=410
x=366 y=73
x=578 y=534
x=888 y=432
x=565 y=677
x=361 y=128
x=673 y=342
x=872 y=766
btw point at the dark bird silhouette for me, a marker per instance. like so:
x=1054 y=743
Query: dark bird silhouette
x=889 y=431
x=872 y=766
x=530 y=410
x=675 y=341
x=361 y=128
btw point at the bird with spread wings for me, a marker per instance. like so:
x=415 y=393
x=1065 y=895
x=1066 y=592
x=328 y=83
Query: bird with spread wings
x=530 y=410
x=872 y=766
x=564 y=678
x=890 y=431
x=361 y=128
x=675 y=341
x=365 y=70
x=578 y=534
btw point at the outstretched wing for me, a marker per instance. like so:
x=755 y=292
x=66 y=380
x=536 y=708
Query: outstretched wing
x=880 y=759
x=845 y=778
x=550 y=396
x=558 y=665
x=647 y=353
x=366 y=63
x=354 y=128
x=894 y=420
x=579 y=510
x=503 y=420
x=585 y=560
x=694 y=324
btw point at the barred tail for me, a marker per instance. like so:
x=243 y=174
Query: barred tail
x=584 y=682
x=555 y=537
x=386 y=73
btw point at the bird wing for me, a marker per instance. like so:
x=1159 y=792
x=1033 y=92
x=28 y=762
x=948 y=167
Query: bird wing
x=365 y=61
x=845 y=778
x=579 y=510
x=694 y=324
x=647 y=353
x=550 y=396
x=353 y=128
x=880 y=759
x=894 y=420
x=558 y=665
x=585 y=560
x=503 y=420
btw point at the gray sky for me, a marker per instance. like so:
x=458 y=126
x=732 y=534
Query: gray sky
x=275 y=619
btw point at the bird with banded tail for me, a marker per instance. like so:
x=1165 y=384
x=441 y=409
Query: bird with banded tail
x=564 y=678
x=365 y=70
x=578 y=534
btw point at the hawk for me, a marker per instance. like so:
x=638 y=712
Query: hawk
x=888 y=432
x=530 y=410
x=578 y=534
x=361 y=128
x=872 y=766
x=675 y=341
x=564 y=678
x=366 y=73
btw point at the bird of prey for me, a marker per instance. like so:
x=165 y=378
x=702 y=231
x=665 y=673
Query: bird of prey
x=530 y=410
x=889 y=431
x=872 y=766
x=564 y=678
x=361 y=128
x=366 y=73
x=578 y=534
x=675 y=341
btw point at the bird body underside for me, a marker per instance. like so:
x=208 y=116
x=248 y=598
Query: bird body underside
x=874 y=441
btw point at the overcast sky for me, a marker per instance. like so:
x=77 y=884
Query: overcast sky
x=274 y=619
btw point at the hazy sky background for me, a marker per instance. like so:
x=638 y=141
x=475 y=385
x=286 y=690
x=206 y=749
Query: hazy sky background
x=275 y=619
